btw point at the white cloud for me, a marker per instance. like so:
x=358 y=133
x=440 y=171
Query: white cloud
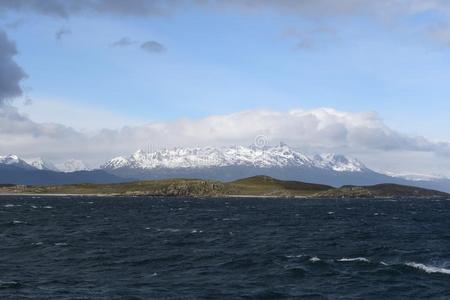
x=81 y=117
x=316 y=130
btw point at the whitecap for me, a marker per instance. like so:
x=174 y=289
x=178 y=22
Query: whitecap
x=196 y=231
x=18 y=222
x=60 y=244
x=12 y=205
x=331 y=212
x=361 y=259
x=38 y=243
x=314 y=259
x=294 y=256
x=428 y=269
x=48 y=206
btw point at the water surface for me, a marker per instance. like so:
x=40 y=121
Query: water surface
x=161 y=248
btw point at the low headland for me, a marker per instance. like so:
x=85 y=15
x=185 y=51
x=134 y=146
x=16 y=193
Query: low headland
x=257 y=186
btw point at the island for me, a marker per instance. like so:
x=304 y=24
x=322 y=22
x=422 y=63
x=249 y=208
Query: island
x=256 y=186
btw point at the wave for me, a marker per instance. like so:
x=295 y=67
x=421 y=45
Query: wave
x=60 y=244
x=314 y=259
x=361 y=259
x=9 y=284
x=428 y=269
x=294 y=256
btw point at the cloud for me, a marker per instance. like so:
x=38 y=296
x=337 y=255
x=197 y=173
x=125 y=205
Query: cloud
x=153 y=47
x=385 y=12
x=67 y=8
x=123 y=42
x=304 y=8
x=61 y=33
x=148 y=46
x=342 y=8
x=316 y=130
x=11 y=74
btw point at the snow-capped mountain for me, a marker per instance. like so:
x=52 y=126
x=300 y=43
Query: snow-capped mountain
x=280 y=156
x=14 y=170
x=339 y=163
x=71 y=165
x=42 y=164
x=15 y=161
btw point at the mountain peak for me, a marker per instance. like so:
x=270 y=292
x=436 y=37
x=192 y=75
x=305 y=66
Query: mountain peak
x=41 y=164
x=279 y=156
x=14 y=160
x=339 y=163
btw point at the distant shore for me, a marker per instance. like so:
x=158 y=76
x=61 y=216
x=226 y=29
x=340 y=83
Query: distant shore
x=252 y=187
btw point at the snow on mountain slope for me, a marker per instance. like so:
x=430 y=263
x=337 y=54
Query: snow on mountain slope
x=14 y=160
x=71 y=165
x=41 y=164
x=339 y=163
x=265 y=157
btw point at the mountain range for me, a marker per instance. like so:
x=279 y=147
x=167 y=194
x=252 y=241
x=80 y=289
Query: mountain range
x=14 y=170
x=224 y=163
x=231 y=163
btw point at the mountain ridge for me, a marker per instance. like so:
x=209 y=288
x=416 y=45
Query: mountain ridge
x=212 y=163
x=261 y=157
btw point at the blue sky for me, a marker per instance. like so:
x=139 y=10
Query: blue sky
x=223 y=60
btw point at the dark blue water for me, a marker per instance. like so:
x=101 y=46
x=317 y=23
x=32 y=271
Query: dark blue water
x=156 y=248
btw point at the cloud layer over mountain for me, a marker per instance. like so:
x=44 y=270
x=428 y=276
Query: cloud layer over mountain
x=321 y=130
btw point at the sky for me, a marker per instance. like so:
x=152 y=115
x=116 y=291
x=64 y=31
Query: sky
x=93 y=79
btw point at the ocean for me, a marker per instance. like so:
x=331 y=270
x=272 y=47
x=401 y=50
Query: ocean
x=224 y=248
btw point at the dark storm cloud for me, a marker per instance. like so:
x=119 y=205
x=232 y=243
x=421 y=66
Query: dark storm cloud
x=153 y=47
x=10 y=72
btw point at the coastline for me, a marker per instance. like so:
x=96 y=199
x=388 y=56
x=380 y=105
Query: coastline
x=143 y=195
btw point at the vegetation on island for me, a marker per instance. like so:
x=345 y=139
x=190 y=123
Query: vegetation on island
x=252 y=186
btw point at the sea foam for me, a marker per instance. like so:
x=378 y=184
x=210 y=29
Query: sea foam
x=428 y=269
x=361 y=259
